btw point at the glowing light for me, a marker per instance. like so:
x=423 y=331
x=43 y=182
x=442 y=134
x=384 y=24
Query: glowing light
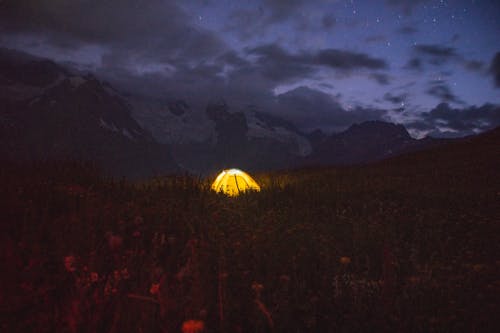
x=233 y=182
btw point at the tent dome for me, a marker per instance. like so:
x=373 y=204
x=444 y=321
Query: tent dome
x=234 y=181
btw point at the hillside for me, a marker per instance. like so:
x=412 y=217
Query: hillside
x=49 y=113
x=408 y=244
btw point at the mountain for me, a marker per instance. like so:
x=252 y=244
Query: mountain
x=50 y=113
x=207 y=138
x=366 y=142
x=476 y=154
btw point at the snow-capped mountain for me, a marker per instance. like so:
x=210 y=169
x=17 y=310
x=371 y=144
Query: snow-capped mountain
x=171 y=121
x=49 y=113
x=366 y=142
x=207 y=138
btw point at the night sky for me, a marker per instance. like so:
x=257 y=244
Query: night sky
x=432 y=65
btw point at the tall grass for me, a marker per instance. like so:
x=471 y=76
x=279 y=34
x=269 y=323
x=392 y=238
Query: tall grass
x=379 y=248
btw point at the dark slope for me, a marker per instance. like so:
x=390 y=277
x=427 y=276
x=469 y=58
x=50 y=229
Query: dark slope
x=366 y=142
x=48 y=114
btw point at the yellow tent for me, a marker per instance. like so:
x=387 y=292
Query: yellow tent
x=234 y=181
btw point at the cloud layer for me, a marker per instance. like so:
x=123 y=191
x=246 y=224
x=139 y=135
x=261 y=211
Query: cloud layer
x=322 y=63
x=445 y=121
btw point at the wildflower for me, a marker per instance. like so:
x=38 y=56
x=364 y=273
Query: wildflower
x=155 y=288
x=413 y=280
x=94 y=277
x=257 y=287
x=477 y=268
x=125 y=274
x=138 y=220
x=69 y=263
x=193 y=326
x=171 y=240
x=284 y=278
x=114 y=242
x=108 y=288
x=345 y=260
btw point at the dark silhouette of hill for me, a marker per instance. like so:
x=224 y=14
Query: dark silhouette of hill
x=475 y=156
x=48 y=113
x=364 y=143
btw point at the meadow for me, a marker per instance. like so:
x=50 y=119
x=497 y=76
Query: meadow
x=409 y=244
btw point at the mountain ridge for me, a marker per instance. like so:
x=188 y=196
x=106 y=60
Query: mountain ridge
x=73 y=117
x=51 y=112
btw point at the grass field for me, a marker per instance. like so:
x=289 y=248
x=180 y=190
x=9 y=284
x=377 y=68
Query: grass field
x=406 y=245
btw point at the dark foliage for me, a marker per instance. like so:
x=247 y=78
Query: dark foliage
x=409 y=244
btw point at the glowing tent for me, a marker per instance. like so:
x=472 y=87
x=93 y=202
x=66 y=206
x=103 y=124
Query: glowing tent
x=234 y=181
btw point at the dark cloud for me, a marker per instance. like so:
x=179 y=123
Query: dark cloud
x=310 y=109
x=247 y=23
x=414 y=64
x=277 y=64
x=282 y=9
x=495 y=69
x=192 y=83
x=329 y=86
x=376 y=39
x=474 y=65
x=91 y=21
x=407 y=85
x=444 y=120
x=149 y=28
x=395 y=99
x=407 y=30
x=406 y=6
x=276 y=60
x=380 y=78
x=437 y=55
x=248 y=78
x=436 y=50
x=233 y=59
x=250 y=22
x=442 y=91
x=328 y=21
x=342 y=59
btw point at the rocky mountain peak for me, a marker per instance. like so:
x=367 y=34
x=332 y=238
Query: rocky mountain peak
x=377 y=129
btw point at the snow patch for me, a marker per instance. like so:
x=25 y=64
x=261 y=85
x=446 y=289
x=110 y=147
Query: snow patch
x=126 y=133
x=110 y=127
x=166 y=127
x=257 y=129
